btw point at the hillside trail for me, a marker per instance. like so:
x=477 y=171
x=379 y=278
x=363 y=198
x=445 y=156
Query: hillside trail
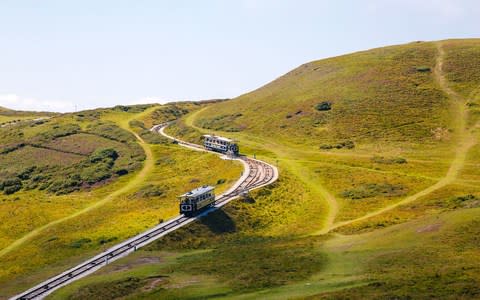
x=465 y=136
x=148 y=165
x=294 y=167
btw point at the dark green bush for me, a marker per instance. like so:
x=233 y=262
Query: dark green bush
x=4 y=149
x=168 y=113
x=132 y=108
x=8 y=190
x=10 y=185
x=61 y=187
x=423 y=69
x=59 y=130
x=104 y=155
x=79 y=243
x=393 y=160
x=324 y=106
x=121 y=172
x=345 y=144
x=105 y=240
x=341 y=145
x=96 y=173
x=26 y=173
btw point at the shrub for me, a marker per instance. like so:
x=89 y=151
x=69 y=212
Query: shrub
x=393 y=160
x=423 y=69
x=59 y=130
x=96 y=173
x=466 y=201
x=10 y=148
x=79 y=243
x=104 y=240
x=324 y=106
x=136 y=123
x=103 y=155
x=26 y=173
x=168 y=112
x=65 y=186
x=345 y=144
x=10 y=185
x=374 y=189
x=11 y=189
x=121 y=172
x=132 y=108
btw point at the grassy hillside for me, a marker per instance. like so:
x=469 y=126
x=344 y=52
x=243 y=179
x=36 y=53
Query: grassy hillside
x=378 y=196
x=382 y=94
x=67 y=181
x=10 y=117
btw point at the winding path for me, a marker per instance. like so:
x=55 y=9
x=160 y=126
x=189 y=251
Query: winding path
x=147 y=167
x=257 y=174
x=466 y=140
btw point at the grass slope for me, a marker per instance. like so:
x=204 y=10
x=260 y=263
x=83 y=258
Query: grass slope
x=378 y=196
x=10 y=117
x=61 y=230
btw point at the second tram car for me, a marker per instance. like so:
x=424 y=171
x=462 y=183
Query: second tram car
x=196 y=200
x=220 y=144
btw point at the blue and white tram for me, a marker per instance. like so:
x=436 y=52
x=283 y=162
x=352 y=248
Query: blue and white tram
x=197 y=200
x=220 y=144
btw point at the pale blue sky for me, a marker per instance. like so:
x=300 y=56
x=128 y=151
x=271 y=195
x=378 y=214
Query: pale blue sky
x=58 y=54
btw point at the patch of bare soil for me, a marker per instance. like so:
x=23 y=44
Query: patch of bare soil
x=137 y=262
x=441 y=134
x=429 y=228
x=182 y=284
x=154 y=282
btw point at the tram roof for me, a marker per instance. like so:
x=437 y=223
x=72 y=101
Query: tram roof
x=198 y=191
x=218 y=137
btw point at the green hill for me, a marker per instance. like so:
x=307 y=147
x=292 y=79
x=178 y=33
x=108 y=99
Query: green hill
x=67 y=180
x=378 y=196
x=382 y=94
x=10 y=117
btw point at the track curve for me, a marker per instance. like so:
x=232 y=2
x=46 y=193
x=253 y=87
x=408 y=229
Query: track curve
x=257 y=174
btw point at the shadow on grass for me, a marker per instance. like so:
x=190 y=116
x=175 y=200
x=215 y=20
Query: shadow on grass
x=219 y=222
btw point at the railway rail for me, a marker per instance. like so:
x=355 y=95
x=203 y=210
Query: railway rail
x=257 y=174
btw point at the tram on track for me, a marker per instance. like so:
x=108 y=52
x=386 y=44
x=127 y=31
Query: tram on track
x=220 y=144
x=197 y=200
